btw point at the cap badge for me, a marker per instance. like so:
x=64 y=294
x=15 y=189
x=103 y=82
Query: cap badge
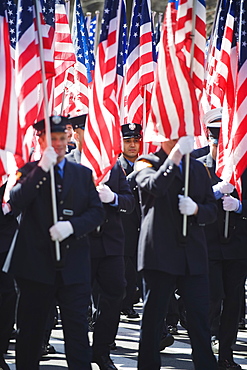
x=132 y=126
x=56 y=120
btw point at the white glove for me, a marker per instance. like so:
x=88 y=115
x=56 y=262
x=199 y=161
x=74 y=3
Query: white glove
x=6 y=208
x=185 y=144
x=61 y=230
x=105 y=193
x=187 y=206
x=230 y=203
x=224 y=187
x=48 y=159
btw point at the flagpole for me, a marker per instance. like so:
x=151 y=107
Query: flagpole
x=89 y=16
x=187 y=156
x=96 y=32
x=144 y=120
x=47 y=125
x=153 y=16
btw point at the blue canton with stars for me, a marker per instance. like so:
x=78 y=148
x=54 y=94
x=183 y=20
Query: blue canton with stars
x=92 y=30
x=122 y=42
x=2 y=10
x=242 y=34
x=84 y=52
x=11 y=15
x=140 y=17
x=25 y=14
x=220 y=27
x=110 y=12
x=48 y=10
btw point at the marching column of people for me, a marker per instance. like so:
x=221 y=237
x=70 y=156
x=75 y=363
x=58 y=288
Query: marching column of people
x=227 y=250
x=99 y=230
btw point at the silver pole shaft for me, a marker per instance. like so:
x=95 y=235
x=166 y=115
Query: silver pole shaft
x=187 y=157
x=47 y=124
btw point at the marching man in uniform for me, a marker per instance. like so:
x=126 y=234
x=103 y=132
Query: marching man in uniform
x=40 y=277
x=166 y=258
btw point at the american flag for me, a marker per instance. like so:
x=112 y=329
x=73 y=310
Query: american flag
x=64 y=54
x=80 y=75
x=234 y=132
x=121 y=61
x=84 y=52
x=217 y=52
x=224 y=83
x=8 y=100
x=102 y=133
x=191 y=47
x=28 y=66
x=141 y=61
x=174 y=106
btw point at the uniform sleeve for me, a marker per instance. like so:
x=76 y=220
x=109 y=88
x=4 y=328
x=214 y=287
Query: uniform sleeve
x=155 y=182
x=28 y=188
x=207 y=208
x=126 y=200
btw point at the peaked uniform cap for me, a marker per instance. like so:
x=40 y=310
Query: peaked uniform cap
x=78 y=121
x=57 y=124
x=131 y=130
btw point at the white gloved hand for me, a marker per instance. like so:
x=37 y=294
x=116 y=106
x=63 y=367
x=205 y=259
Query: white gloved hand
x=187 y=206
x=185 y=144
x=224 y=187
x=61 y=230
x=48 y=159
x=105 y=193
x=230 y=203
x=6 y=208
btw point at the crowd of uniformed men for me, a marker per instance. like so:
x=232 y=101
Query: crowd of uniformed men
x=136 y=235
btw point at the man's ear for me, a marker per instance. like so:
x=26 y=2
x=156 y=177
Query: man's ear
x=41 y=139
x=76 y=136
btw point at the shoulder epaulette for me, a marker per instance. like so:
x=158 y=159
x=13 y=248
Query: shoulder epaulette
x=18 y=175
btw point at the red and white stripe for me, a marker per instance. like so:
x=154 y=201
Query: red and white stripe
x=232 y=158
x=8 y=100
x=140 y=70
x=27 y=75
x=102 y=143
x=217 y=71
x=28 y=67
x=64 y=55
x=174 y=106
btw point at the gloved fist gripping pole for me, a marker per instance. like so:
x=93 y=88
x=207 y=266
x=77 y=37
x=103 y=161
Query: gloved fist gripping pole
x=185 y=145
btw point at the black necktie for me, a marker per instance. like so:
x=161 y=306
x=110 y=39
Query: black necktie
x=59 y=181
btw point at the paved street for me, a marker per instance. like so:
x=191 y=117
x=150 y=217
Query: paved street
x=176 y=357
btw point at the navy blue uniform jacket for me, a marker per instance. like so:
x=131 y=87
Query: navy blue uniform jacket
x=235 y=245
x=110 y=240
x=161 y=244
x=131 y=222
x=33 y=257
